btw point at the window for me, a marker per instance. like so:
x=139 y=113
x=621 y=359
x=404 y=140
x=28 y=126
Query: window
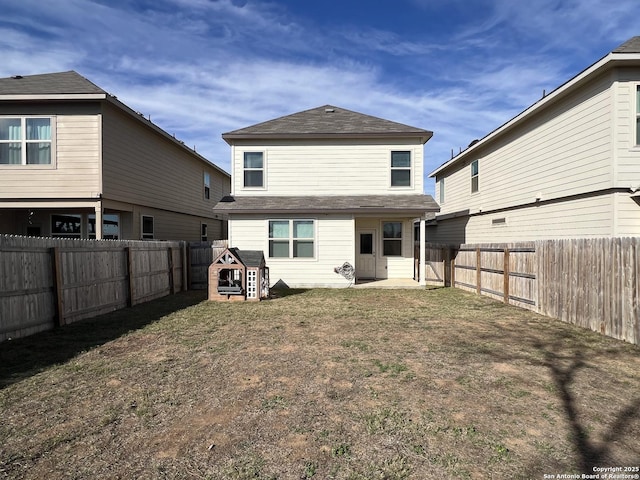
x=253 y=169
x=204 y=234
x=25 y=141
x=291 y=238
x=474 y=176
x=637 y=114
x=400 y=169
x=110 y=226
x=66 y=225
x=442 y=190
x=147 y=227
x=207 y=186
x=392 y=239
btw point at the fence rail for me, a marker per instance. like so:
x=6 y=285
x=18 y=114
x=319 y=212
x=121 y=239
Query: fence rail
x=46 y=282
x=593 y=283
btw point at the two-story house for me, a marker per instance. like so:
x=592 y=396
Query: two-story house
x=76 y=162
x=328 y=186
x=566 y=167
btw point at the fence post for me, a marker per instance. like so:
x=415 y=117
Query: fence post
x=452 y=270
x=478 y=271
x=183 y=262
x=132 y=280
x=56 y=275
x=172 y=286
x=506 y=275
x=189 y=266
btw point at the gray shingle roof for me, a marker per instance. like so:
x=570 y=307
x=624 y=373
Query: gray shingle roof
x=250 y=258
x=630 y=46
x=326 y=121
x=48 y=83
x=410 y=204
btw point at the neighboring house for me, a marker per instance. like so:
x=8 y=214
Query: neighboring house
x=325 y=186
x=76 y=162
x=566 y=167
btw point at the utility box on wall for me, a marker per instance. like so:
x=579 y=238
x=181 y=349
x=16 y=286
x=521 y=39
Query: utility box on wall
x=239 y=275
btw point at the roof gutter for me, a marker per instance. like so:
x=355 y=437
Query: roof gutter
x=231 y=137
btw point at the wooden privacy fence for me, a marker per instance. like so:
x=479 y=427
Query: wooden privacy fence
x=47 y=282
x=593 y=283
x=201 y=255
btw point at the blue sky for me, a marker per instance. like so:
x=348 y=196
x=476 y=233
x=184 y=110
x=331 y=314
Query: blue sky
x=199 y=68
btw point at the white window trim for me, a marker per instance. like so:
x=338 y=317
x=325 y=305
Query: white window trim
x=206 y=185
x=46 y=166
x=204 y=232
x=153 y=233
x=476 y=176
x=292 y=238
x=442 y=190
x=264 y=169
x=410 y=168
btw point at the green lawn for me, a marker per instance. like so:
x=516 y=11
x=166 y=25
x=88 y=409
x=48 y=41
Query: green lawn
x=344 y=384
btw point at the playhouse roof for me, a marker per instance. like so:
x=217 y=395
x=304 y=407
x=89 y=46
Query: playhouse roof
x=250 y=258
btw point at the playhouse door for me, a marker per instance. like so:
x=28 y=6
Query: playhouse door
x=366 y=254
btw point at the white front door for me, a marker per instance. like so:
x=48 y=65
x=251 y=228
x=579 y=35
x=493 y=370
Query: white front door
x=366 y=254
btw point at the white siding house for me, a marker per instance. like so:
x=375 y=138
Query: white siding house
x=324 y=187
x=72 y=154
x=566 y=167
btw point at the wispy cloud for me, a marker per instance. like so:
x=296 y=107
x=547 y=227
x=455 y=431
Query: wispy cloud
x=203 y=67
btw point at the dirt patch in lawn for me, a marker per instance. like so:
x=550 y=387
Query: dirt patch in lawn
x=344 y=384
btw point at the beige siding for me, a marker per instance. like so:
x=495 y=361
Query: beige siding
x=170 y=225
x=579 y=218
x=75 y=172
x=563 y=151
x=334 y=246
x=142 y=167
x=628 y=215
x=345 y=167
x=626 y=151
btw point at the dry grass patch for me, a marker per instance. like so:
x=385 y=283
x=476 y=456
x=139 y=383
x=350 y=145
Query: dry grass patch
x=344 y=384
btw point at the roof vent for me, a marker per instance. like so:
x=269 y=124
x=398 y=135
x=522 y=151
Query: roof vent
x=329 y=110
x=17 y=77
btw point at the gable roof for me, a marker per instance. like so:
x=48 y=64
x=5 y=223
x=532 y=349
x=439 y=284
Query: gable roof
x=406 y=204
x=71 y=86
x=326 y=122
x=248 y=258
x=61 y=83
x=627 y=53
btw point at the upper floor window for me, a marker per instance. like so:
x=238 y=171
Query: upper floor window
x=25 y=141
x=637 y=114
x=207 y=186
x=291 y=238
x=253 y=169
x=474 y=176
x=441 y=190
x=400 y=169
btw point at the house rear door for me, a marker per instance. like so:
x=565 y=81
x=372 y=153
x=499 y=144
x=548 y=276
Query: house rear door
x=366 y=254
